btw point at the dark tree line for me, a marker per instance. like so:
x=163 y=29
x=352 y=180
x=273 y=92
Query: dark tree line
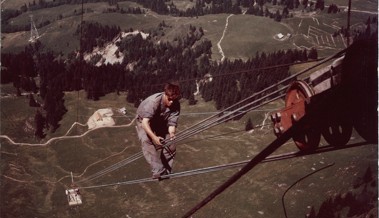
x=8 y=14
x=157 y=63
x=158 y=6
x=24 y=68
x=20 y=69
x=146 y=66
x=333 y=9
x=52 y=87
x=41 y=4
x=95 y=34
x=231 y=88
x=117 y=9
x=204 y=7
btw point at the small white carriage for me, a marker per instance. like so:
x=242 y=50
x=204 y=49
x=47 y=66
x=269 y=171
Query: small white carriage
x=74 y=197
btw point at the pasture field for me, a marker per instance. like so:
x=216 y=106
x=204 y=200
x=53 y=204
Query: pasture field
x=15 y=4
x=35 y=177
x=244 y=36
x=184 y=4
x=365 y=5
x=247 y=35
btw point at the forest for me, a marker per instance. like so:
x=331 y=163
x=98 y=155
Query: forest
x=46 y=76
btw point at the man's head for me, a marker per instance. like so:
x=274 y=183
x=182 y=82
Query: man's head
x=171 y=92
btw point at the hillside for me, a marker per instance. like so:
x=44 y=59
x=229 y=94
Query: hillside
x=48 y=96
x=244 y=36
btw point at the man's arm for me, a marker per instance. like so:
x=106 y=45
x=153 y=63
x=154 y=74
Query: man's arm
x=173 y=119
x=146 y=126
x=171 y=131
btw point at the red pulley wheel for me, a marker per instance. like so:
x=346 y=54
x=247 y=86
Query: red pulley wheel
x=307 y=138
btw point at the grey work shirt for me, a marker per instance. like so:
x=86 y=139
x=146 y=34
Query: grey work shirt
x=154 y=109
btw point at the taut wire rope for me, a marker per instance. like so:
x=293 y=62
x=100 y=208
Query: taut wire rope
x=221 y=117
x=167 y=142
x=201 y=123
x=269 y=149
x=81 y=72
x=129 y=160
x=208 y=122
x=113 y=167
x=224 y=115
x=210 y=169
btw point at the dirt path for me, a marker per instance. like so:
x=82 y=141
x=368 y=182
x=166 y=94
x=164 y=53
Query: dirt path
x=222 y=37
x=66 y=136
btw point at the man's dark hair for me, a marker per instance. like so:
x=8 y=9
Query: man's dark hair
x=172 y=89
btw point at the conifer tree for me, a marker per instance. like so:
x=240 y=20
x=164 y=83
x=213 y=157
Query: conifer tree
x=192 y=100
x=249 y=125
x=32 y=101
x=39 y=122
x=312 y=54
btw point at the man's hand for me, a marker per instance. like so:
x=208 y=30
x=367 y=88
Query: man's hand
x=157 y=141
x=154 y=138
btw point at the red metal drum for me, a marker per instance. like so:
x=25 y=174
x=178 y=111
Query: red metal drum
x=298 y=96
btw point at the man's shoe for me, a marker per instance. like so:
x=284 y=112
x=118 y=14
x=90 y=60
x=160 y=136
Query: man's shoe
x=159 y=175
x=165 y=174
x=156 y=176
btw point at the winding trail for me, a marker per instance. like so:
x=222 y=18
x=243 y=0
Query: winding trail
x=60 y=138
x=222 y=37
x=65 y=136
x=59 y=180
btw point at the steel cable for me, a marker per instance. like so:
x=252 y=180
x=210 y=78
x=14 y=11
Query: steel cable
x=226 y=117
x=112 y=167
x=210 y=169
x=218 y=121
x=222 y=116
x=208 y=122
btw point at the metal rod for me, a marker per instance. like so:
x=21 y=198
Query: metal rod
x=348 y=24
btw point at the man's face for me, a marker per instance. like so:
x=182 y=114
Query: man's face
x=169 y=99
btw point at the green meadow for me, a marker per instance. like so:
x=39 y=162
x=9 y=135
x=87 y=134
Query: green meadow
x=35 y=177
x=244 y=36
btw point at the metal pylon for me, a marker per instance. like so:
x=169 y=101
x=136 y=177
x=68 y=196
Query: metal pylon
x=33 y=30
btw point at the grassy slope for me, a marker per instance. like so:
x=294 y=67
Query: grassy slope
x=37 y=176
x=257 y=35
x=245 y=35
x=184 y=4
x=34 y=178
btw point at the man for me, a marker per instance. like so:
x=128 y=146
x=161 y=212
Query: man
x=157 y=119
